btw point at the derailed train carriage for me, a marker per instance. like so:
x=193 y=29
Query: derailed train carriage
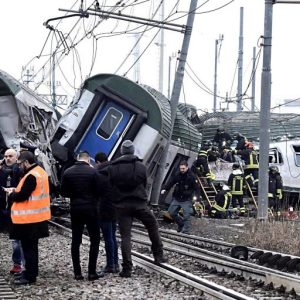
x=110 y=109
x=26 y=121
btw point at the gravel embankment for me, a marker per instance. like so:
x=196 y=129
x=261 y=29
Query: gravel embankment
x=56 y=277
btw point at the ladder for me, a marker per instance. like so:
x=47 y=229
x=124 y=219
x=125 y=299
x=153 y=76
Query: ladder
x=253 y=197
x=208 y=191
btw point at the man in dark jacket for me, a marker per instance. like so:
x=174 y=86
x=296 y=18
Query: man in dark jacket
x=81 y=183
x=241 y=141
x=128 y=176
x=107 y=216
x=30 y=211
x=222 y=138
x=186 y=186
x=10 y=175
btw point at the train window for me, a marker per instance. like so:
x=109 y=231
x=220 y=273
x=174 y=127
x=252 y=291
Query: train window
x=109 y=123
x=297 y=154
x=275 y=156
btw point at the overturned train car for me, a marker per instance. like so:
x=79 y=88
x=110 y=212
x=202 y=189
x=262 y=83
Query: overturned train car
x=110 y=109
x=26 y=121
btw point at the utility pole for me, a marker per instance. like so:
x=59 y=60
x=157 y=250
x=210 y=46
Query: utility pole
x=253 y=80
x=240 y=63
x=53 y=86
x=265 y=103
x=27 y=77
x=169 y=77
x=136 y=54
x=161 y=47
x=174 y=100
x=219 y=40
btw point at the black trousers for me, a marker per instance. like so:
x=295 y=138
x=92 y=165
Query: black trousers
x=31 y=255
x=237 y=199
x=80 y=218
x=125 y=217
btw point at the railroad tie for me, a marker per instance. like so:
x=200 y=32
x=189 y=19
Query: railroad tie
x=5 y=290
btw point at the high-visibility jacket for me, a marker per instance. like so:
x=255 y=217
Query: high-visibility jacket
x=37 y=207
x=236 y=183
x=250 y=158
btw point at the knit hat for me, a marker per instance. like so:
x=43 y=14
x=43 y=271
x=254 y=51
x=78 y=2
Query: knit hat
x=127 y=147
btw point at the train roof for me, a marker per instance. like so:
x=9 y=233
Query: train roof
x=248 y=124
x=10 y=86
x=149 y=100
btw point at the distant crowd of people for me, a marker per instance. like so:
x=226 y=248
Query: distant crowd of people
x=242 y=180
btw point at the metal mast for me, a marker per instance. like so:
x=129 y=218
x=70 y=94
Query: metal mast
x=240 y=62
x=253 y=81
x=136 y=54
x=265 y=103
x=161 y=47
x=174 y=99
x=217 y=42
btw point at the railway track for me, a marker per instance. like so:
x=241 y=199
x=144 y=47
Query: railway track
x=224 y=264
x=206 y=288
x=5 y=291
x=272 y=259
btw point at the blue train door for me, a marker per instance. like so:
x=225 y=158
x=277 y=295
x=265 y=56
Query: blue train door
x=106 y=130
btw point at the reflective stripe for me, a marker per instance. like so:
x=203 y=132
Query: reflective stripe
x=252 y=164
x=39 y=197
x=219 y=208
x=202 y=153
x=270 y=195
x=30 y=211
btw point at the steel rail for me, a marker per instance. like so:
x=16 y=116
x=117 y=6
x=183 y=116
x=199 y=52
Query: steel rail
x=213 y=290
x=224 y=245
x=226 y=263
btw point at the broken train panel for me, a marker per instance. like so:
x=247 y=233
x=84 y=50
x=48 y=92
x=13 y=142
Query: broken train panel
x=26 y=120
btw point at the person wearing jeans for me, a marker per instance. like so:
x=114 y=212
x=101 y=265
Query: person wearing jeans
x=186 y=185
x=10 y=175
x=107 y=216
x=17 y=257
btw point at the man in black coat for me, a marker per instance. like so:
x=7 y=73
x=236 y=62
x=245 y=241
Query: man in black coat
x=10 y=175
x=128 y=176
x=186 y=186
x=81 y=183
x=107 y=216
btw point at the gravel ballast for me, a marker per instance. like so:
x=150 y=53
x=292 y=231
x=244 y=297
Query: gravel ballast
x=56 y=281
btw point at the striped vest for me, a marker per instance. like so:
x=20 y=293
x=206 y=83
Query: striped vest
x=37 y=207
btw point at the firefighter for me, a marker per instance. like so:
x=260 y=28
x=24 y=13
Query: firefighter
x=241 y=141
x=275 y=189
x=200 y=166
x=222 y=138
x=236 y=184
x=220 y=209
x=249 y=156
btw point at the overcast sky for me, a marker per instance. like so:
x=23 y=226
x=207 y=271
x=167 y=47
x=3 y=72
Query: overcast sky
x=23 y=36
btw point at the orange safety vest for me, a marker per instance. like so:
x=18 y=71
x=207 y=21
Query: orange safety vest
x=37 y=207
